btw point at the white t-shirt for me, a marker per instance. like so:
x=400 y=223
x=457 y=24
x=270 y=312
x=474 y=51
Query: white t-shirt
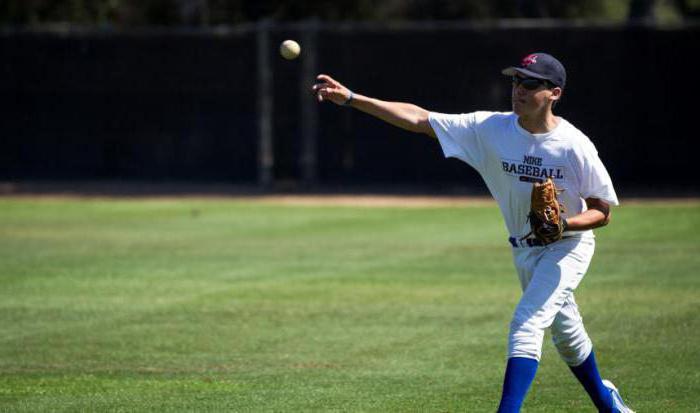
x=510 y=159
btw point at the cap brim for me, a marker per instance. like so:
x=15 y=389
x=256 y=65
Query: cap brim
x=511 y=71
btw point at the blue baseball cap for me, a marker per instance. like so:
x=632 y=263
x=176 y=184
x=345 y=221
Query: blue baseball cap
x=540 y=66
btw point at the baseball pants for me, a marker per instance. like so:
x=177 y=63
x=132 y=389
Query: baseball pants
x=548 y=276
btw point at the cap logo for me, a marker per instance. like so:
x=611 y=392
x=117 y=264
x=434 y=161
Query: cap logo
x=528 y=60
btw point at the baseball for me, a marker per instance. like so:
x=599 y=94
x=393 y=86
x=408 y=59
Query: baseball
x=289 y=49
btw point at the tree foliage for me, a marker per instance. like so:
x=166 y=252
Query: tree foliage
x=135 y=13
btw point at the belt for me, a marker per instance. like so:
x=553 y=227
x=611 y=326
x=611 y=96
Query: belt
x=528 y=242
x=523 y=243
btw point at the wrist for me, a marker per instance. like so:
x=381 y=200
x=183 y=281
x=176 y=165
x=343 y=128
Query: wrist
x=348 y=101
x=564 y=225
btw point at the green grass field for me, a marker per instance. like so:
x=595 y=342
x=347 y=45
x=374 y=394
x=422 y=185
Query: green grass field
x=227 y=305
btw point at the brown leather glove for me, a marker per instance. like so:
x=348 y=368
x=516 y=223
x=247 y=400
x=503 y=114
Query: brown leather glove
x=546 y=223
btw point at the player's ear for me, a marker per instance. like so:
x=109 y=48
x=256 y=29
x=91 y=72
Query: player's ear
x=556 y=94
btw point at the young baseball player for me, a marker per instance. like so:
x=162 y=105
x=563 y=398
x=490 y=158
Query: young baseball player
x=511 y=151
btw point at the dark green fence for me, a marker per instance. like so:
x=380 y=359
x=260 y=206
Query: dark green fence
x=198 y=106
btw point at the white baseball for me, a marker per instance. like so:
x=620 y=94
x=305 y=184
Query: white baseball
x=289 y=49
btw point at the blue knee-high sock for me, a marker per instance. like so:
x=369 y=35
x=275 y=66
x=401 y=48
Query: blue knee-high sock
x=587 y=373
x=520 y=372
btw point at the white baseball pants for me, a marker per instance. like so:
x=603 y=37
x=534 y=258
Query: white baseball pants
x=548 y=276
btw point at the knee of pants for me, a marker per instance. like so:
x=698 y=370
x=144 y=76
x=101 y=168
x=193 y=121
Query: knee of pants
x=573 y=344
x=525 y=339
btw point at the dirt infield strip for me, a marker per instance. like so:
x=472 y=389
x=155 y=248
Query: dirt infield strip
x=421 y=201
x=369 y=201
x=354 y=200
x=87 y=190
x=408 y=201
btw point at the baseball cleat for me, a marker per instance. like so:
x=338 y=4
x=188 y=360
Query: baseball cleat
x=618 y=404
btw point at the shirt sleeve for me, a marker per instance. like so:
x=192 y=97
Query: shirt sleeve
x=594 y=179
x=458 y=135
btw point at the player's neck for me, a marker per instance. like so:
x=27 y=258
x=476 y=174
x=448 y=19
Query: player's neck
x=539 y=122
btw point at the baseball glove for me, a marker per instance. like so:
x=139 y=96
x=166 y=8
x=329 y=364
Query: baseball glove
x=546 y=223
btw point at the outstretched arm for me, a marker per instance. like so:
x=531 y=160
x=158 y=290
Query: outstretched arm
x=403 y=115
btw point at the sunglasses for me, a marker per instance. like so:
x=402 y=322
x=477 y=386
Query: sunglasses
x=530 y=83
